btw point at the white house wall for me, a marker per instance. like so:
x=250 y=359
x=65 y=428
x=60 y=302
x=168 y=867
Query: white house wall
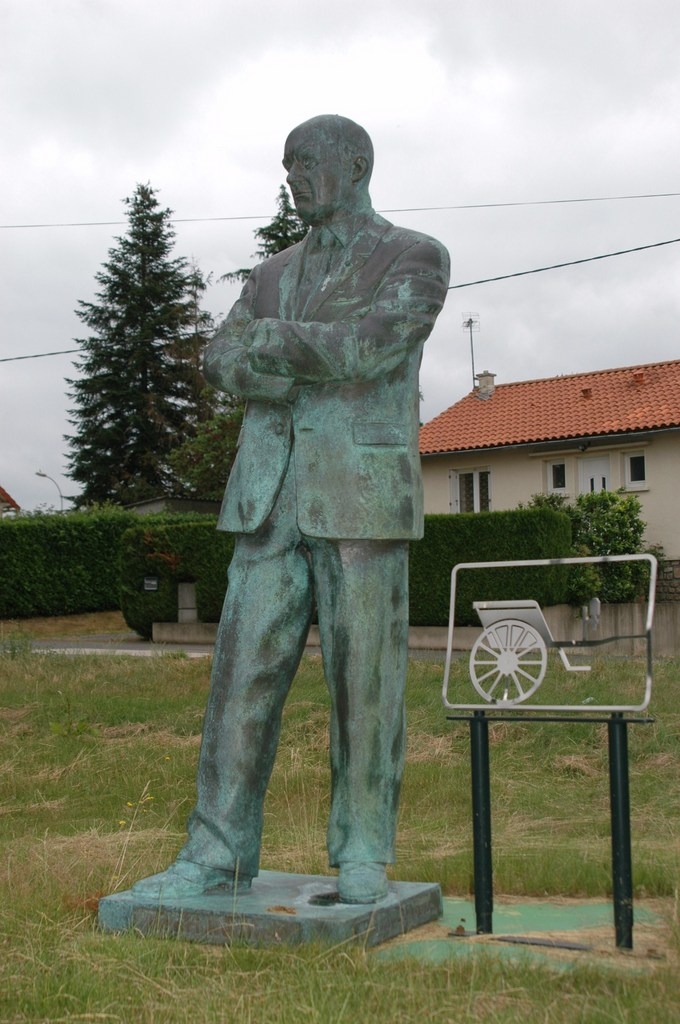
x=514 y=478
x=517 y=474
x=661 y=499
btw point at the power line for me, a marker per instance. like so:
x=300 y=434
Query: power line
x=402 y=209
x=39 y=355
x=533 y=202
x=453 y=287
x=558 y=266
x=122 y=223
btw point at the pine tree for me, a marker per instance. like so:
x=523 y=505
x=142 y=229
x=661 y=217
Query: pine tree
x=139 y=392
x=284 y=230
x=204 y=401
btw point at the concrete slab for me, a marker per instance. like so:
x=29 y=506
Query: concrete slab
x=281 y=908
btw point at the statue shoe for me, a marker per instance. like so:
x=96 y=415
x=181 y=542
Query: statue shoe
x=185 y=878
x=362 y=882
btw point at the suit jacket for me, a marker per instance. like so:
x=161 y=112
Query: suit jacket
x=334 y=388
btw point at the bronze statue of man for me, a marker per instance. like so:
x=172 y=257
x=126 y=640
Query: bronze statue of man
x=325 y=343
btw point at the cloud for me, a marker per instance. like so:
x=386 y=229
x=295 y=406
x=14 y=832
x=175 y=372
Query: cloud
x=467 y=103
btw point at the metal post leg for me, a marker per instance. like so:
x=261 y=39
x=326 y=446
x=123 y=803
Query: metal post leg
x=622 y=870
x=481 y=822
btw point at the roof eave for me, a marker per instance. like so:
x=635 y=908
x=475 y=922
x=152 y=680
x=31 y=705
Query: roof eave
x=557 y=442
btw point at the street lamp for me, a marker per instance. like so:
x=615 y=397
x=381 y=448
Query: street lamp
x=39 y=472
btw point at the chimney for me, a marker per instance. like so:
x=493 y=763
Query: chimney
x=485 y=385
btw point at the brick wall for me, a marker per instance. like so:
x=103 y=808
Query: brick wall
x=668 y=580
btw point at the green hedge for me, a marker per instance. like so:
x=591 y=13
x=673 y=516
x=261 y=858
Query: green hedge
x=180 y=550
x=95 y=561
x=172 y=550
x=55 y=564
x=486 y=537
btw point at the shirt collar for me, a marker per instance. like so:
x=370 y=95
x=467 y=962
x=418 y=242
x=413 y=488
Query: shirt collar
x=345 y=229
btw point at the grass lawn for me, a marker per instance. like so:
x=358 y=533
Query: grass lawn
x=97 y=762
x=64 y=627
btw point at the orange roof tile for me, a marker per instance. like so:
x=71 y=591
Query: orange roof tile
x=620 y=401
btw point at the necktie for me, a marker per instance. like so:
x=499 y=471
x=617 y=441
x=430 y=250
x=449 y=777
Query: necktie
x=315 y=276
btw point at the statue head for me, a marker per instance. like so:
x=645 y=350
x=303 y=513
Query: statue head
x=329 y=160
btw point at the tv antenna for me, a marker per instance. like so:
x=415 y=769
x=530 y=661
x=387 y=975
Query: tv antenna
x=471 y=323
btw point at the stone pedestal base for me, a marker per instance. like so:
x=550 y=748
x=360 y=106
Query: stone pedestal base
x=280 y=908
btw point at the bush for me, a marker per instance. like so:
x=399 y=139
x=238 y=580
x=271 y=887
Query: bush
x=602 y=523
x=177 y=550
x=52 y=564
x=173 y=549
x=486 y=537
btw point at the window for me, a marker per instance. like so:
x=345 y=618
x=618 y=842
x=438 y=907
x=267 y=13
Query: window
x=636 y=470
x=471 y=490
x=557 y=477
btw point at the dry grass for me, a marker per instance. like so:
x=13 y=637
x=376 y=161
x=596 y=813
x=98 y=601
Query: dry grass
x=66 y=627
x=578 y=764
x=86 y=811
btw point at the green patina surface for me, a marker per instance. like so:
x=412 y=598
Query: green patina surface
x=533 y=924
x=324 y=344
x=280 y=909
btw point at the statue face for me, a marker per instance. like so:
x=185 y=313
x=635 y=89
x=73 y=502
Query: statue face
x=320 y=174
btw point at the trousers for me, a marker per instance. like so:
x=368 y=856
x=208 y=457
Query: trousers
x=361 y=592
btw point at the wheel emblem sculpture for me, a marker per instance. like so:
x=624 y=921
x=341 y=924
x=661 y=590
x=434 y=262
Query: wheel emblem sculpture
x=508 y=662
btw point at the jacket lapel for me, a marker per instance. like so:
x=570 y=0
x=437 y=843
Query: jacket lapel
x=289 y=281
x=357 y=252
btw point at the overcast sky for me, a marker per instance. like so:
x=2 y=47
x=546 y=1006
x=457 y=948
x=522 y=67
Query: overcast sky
x=471 y=104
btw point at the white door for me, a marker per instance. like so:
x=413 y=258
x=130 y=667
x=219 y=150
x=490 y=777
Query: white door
x=594 y=474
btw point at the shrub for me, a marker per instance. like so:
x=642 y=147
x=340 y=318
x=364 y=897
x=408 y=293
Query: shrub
x=52 y=564
x=173 y=549
x=177 y=550
x=486 y=537
x=602 y=523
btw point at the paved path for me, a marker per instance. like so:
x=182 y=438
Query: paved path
x=120 y=643
x=131 y=643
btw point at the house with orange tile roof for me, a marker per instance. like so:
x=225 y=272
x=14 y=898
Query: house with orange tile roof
x=7 y=503
x=608 y=429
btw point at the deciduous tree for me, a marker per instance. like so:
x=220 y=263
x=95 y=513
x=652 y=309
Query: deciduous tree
x=202 y=463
